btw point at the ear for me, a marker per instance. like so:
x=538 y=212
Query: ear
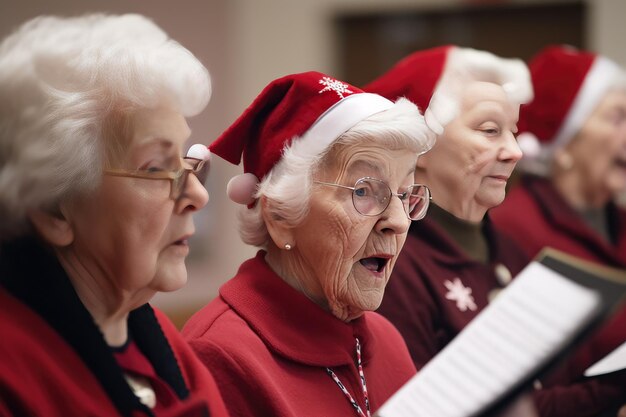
x=54 y=228
x=563 y=159
x=280 y=232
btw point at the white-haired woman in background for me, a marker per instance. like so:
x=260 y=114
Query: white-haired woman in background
x=455 y=260
x=574 y=170
x=330 y=193
x=471 y=100
x=95 y=216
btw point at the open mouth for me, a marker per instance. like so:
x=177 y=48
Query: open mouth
x=375 y=263
x=182 y=242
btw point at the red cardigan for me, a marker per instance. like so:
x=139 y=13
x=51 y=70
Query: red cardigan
x=268 y=346
x=55 y=362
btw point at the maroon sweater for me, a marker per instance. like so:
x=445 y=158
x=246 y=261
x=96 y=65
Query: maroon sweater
x=416 y=302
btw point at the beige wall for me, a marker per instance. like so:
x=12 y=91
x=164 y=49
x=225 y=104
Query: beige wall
x=245 y=44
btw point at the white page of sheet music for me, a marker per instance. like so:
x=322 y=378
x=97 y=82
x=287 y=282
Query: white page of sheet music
x=614 y=361
x=533 y=317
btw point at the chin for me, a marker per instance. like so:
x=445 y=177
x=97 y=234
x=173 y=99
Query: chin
x=171 y=280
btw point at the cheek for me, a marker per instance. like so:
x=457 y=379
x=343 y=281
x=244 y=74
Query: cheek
x=481 y=159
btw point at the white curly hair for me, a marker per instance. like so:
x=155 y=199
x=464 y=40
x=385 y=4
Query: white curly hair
x=64 y=83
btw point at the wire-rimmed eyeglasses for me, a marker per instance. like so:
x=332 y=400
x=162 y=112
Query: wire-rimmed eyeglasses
x=371 y=196
x=178 y=178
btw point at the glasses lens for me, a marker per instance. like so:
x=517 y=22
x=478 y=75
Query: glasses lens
x=178 y=183
x=202 y=171
x=418 y=201
x=370 y=196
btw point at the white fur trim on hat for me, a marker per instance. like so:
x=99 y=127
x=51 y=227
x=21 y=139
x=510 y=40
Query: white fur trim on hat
x=341 y=117
x=333 y=123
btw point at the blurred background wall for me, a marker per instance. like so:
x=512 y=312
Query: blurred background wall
x=247 y=43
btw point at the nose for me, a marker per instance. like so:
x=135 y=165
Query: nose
x=510 y=151
x=194 y=196
x=394 y=219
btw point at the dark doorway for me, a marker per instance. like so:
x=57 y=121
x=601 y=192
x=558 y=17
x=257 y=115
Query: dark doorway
x=369 y=44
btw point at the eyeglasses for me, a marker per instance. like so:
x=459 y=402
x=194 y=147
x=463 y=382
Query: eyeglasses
x=371 y=197
x=200 y=168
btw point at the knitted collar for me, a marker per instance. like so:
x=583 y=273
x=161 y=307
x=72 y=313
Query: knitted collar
x=289 y=323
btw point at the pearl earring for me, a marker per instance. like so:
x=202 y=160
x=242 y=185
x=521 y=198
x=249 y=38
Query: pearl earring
x=287 y=246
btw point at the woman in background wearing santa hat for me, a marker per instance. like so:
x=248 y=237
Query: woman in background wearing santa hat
x=328 y=193
x=455 y=260
x=574 y=139
x=96 y=207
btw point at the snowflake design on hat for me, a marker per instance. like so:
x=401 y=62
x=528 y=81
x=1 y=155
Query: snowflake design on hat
x=330 y=84
x=461 y=294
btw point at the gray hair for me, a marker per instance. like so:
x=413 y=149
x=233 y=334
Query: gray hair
x=64 y=82
x=288 y=184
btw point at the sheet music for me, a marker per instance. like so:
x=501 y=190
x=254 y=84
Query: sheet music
x=535 y=316
x=614 y=361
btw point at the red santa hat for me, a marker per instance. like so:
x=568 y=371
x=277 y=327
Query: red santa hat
x=311 y=108
x=434 y=78
x=569 y=84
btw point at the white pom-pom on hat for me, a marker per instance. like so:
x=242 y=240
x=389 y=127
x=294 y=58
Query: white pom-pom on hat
x=529 y=144
x=242 y=188
x=199 y=151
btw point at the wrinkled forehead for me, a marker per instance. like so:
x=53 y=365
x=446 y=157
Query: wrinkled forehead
x=488 y=96
x=130 y=132
x=369 y=158
x=160 y=124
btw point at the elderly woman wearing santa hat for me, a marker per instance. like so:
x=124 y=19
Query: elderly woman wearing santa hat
x=328 y=193
x=574 y=139
x=454 y=260
x=96 y=208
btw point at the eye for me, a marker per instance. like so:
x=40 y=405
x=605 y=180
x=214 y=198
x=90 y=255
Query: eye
x=362 y=191
x=491 y=131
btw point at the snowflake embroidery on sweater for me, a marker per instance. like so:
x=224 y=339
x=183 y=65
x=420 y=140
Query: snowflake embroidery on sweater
x=461 y=294
x=338 y=87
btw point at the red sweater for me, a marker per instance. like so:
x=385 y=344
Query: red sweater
x=55 y=362
x=268 y=346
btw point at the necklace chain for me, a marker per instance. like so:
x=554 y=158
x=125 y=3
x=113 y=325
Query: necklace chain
x=343 y=388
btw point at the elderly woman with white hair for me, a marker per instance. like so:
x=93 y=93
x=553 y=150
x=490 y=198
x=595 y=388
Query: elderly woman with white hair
x=329 y=193
x=471 y=101
x=573 y=173
x=96 y=205
x=455 y=261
